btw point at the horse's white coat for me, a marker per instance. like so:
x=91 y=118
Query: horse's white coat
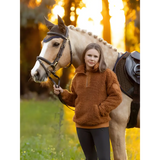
x=37 y=64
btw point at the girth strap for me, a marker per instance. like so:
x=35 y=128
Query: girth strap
x=135 y=106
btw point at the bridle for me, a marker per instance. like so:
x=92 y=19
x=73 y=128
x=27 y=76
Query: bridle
x=56 y=60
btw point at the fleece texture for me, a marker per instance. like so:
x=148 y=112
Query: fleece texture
x=94 y=95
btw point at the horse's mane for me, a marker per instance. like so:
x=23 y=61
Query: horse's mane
x=93 y=35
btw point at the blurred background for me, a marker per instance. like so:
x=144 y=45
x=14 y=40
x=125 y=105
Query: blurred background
x=116 y=21
x=46 y=127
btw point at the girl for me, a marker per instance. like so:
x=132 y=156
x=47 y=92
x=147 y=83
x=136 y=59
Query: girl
x=95 y=92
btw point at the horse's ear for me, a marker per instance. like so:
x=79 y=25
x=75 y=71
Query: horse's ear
x=48 y=23
x=61 y=24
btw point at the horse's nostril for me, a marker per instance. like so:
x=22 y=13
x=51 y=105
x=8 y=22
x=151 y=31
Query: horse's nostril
x=36 y=74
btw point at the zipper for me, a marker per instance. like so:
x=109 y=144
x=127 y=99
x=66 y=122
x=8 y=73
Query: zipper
x=87 y=79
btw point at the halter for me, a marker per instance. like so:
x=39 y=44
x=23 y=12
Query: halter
x=55 y=62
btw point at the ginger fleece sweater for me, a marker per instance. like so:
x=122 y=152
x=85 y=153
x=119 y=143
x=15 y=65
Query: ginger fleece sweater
x=94 y=95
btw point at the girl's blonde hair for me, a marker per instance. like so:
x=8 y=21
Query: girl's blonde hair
x=102 y=64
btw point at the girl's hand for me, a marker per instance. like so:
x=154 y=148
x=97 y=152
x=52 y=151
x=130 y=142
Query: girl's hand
x=57 y=90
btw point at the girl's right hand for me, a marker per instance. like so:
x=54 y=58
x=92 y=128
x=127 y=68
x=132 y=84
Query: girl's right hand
x=57 y=90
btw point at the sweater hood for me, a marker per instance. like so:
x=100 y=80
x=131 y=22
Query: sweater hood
x=82 y=69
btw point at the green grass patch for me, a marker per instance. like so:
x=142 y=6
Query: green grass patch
x=42 y=131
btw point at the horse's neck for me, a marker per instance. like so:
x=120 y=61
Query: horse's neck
x=80 y=39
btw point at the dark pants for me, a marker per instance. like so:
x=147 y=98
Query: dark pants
x=95 y=143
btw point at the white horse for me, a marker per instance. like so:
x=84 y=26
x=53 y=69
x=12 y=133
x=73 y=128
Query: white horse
x=78 y=39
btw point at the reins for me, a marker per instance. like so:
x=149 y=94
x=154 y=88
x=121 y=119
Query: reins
x=55 y=62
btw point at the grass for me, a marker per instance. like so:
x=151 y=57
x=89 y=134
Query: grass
x=48 y=133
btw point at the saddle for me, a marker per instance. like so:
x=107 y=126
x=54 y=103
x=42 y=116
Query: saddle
x=127 y=69
x=132 y=66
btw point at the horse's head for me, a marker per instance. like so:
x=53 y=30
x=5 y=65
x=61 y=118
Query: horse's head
x=55 y=51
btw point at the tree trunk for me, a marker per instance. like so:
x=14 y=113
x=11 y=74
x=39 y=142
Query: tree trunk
x=106 y=21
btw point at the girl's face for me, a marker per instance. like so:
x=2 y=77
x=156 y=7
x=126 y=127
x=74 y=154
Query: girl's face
x=91 y=58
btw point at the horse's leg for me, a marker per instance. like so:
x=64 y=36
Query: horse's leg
x=120 y=117
x=140 y=118
x=117 y=136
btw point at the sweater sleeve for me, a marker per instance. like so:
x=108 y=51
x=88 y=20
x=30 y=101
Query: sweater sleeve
x=69 y=97
x=114 y=94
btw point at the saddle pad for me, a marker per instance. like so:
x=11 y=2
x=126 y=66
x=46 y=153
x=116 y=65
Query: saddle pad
x=126 y=84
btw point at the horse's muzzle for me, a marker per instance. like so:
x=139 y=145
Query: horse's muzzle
x=37 y=77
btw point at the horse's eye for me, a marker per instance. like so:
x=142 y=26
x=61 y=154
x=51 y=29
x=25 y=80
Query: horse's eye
x=55 y=44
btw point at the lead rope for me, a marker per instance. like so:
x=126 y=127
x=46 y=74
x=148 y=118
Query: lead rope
x=59 y=95
x=47 y=72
